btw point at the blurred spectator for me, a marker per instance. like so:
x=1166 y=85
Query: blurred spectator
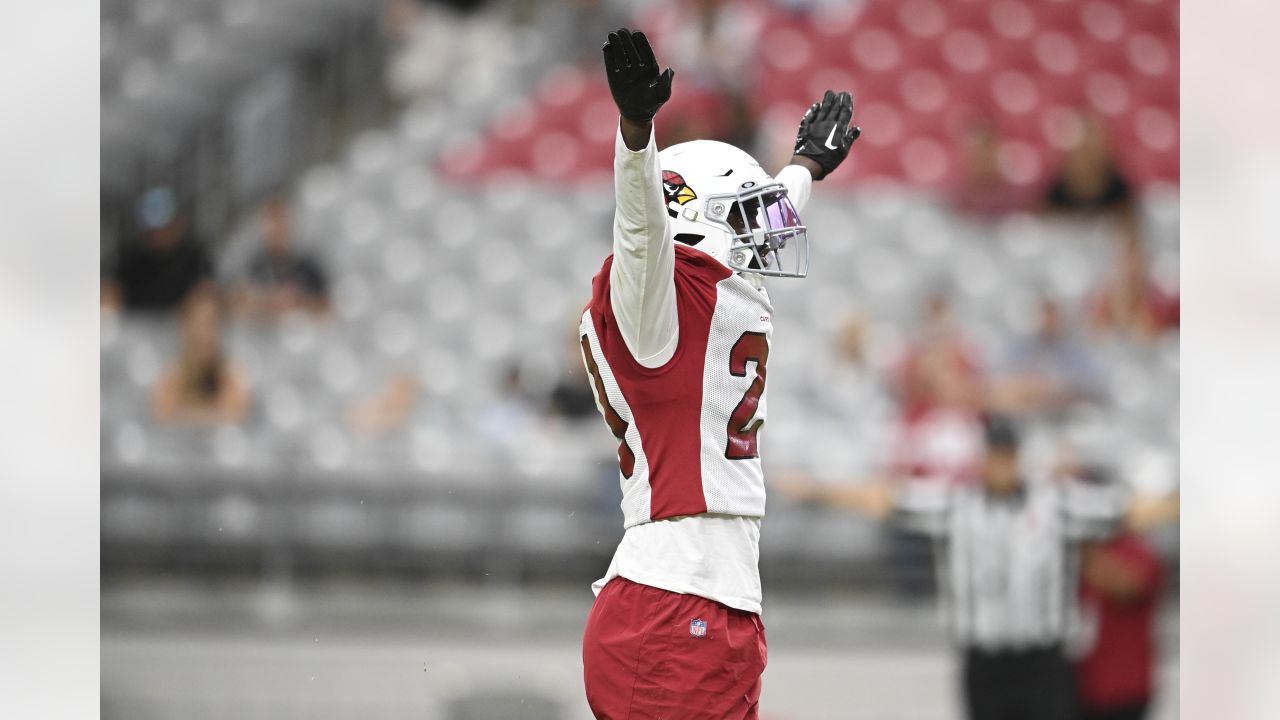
x=939 y=391
x=939 y=366
x=851 y=394
x=1049 y=372
x=506 y=417
x=388 y=408
x=1120 y=590
x=1128 y=303
x=1089 y=180
x=159 y=270
x=982 y=189
x=849 y=384
x=942 y=441
x=202 y=387
x=571 y=398
x=279 y=279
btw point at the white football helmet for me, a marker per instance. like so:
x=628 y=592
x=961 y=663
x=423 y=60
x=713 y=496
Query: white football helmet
x=721 y=201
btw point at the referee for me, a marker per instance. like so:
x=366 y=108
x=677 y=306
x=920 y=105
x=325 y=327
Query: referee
x=1008 y=567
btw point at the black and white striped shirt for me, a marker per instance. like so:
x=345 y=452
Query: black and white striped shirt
x=1008 y=565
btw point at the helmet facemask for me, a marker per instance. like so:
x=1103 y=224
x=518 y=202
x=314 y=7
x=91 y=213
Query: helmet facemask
x=764 y=229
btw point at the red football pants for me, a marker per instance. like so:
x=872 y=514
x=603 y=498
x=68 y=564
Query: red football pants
x=650 y=653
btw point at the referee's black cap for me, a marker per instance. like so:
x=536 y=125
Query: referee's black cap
x=1001 y=433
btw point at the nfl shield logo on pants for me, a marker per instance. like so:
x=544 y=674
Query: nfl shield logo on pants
x=698 y=628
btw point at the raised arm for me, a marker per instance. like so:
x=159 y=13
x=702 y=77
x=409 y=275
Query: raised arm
x=822 y=143
x=642 y=279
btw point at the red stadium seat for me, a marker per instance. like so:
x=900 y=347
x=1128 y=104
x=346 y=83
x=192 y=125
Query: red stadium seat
x=1058 y=16
x=1152 y=16
x=922 y=18
x=1103 y=55
x=876 y=49
x=1014 y=54
x=1057 y=53
x=787 y=49
x=969 y=15
x=927 y=161
x=883 y=124
x=1149 y=55
x=882 y=13
x=1022 y=163
x=923 y=91
x=966 y=52
x=1014 y=92
x=1102 y=21
x=1061 y=127
x=1012 y=19
x=1067 y=92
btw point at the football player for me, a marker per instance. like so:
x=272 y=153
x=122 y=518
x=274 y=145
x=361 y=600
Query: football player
x=676 y=341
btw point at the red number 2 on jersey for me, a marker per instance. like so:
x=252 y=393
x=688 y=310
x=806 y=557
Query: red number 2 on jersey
x=743 y=431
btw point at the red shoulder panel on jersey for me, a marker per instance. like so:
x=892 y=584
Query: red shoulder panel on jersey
x=666 y=402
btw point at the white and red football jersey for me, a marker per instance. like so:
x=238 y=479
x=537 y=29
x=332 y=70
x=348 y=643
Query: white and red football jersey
x=689 y=430
x=677 y=345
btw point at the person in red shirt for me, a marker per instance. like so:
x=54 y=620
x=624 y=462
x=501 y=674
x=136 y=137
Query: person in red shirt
x=1120 y=587
x=1129 y=303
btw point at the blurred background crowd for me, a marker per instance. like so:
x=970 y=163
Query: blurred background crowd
x=345 y=244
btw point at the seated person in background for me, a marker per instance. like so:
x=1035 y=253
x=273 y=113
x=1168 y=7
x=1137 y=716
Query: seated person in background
x=388 y=408
x=940 y=396
x=938 y=345
x=503 y=419
x=982 y=190
x=280 y=279
x=202 y=387
x=1089 y=181
x=1128 y=303
x=943 y=439
x=846 y=389
x=1049 y=372
x=571 y=398
x=850 y=379
x=163 y=266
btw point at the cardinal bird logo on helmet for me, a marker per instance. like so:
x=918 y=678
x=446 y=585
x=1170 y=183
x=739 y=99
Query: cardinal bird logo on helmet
x=675 y=188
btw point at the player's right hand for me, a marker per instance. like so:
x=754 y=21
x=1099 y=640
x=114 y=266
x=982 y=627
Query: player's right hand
x=637 y=86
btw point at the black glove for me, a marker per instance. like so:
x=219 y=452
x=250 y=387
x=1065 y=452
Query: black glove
x=825 y=135
x=638 y=89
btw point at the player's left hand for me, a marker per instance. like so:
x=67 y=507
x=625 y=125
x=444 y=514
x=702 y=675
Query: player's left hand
x=638 y=88
x=825 y=134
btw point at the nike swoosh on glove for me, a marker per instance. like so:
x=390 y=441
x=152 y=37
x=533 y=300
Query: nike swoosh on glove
x=825 y=135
